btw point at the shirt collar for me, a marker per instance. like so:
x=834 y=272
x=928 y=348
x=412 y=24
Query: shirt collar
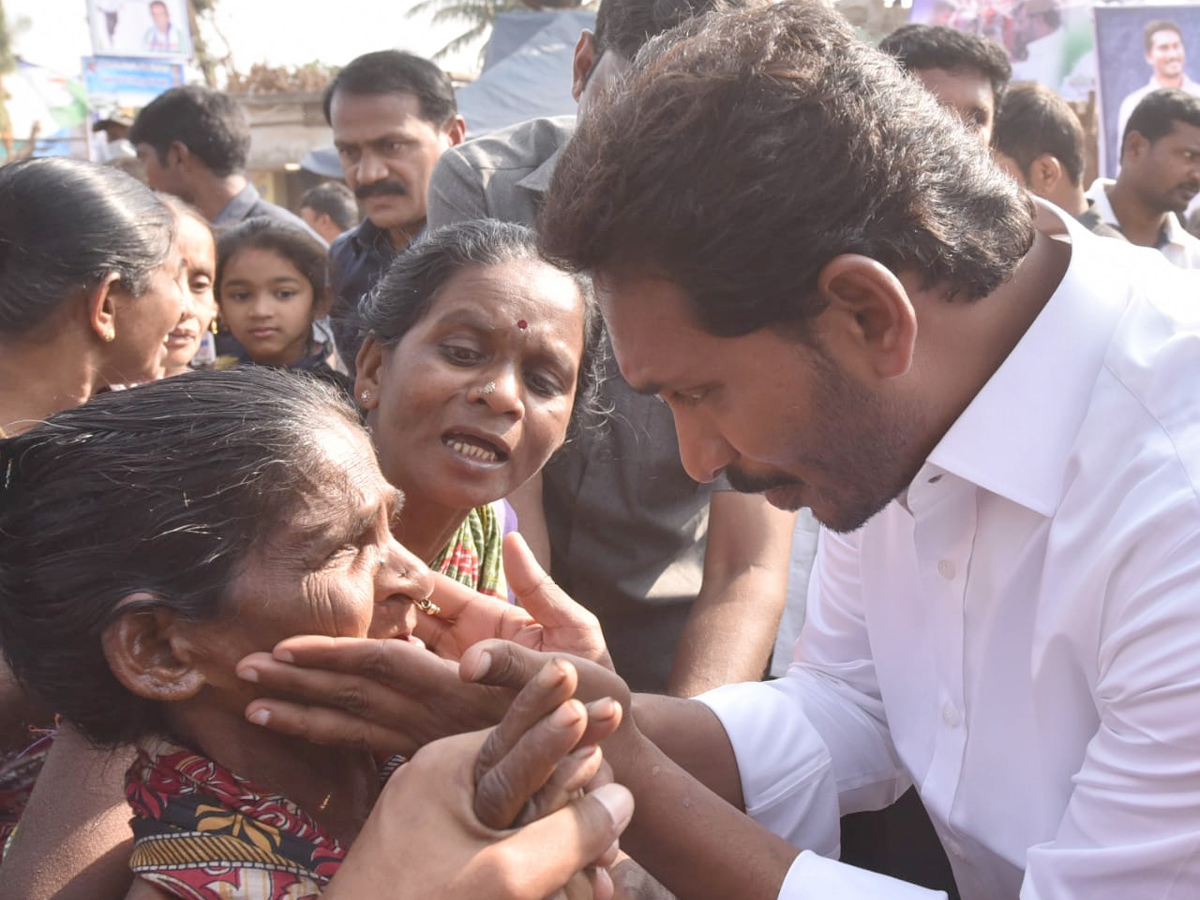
x=370 y=238
x=1016 y=437
x=237 y=208
x=538 y=180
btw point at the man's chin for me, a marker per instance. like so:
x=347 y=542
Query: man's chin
x=788 y=497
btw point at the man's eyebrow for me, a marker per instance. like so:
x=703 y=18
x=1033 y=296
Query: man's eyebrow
x=649 y=389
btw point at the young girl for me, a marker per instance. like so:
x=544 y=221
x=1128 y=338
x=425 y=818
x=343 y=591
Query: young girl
x=270 y=288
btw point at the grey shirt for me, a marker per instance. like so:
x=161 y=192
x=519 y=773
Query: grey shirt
x=627 y=525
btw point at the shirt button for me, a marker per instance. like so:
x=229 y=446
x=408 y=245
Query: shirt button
x=946 y=569
x=950 y=715
x=954 y=848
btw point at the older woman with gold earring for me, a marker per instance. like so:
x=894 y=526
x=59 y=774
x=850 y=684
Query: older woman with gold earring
x=88 y=292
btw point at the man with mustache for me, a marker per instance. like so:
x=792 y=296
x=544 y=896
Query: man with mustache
x=392 y=114
x=1160 y=174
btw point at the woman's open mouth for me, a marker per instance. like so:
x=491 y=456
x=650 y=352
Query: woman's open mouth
x=475 y=448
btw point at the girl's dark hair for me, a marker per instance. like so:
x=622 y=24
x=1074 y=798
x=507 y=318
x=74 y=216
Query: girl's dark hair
x=411 y=283
x=291 y=242
x=64 y=225
x=162 y=489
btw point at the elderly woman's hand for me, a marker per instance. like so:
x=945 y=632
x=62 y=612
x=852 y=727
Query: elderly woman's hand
x=434 y=831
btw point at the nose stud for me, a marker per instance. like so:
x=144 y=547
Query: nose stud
x=488 y=388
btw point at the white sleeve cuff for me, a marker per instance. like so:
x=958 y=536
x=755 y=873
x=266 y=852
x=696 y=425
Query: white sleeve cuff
x=788 y=783
x=813 y=877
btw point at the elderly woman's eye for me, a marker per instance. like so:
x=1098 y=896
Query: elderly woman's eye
x=342 y=552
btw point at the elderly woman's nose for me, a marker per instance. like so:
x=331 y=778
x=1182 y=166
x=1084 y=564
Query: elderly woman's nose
x=404 y=573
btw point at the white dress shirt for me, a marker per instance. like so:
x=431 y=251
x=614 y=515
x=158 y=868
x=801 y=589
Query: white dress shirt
x=1179 y=247
x=1020 y=635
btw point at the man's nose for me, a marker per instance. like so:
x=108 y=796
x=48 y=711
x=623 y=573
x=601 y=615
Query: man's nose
x=371 y=169
x=702 y=448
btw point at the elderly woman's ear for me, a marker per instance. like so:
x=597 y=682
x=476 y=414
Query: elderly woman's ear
x=149 y=651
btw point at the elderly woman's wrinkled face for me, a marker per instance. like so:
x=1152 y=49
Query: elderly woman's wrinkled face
x=329 y=566
x=476 y=396
x=198 y=252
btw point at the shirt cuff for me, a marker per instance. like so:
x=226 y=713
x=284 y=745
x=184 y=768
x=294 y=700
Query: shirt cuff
x=814 y=877
x=788 y=783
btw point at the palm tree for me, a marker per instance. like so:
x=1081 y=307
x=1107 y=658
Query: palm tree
x=478 y=15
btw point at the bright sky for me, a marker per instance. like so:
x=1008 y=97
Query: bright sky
x=280 y=32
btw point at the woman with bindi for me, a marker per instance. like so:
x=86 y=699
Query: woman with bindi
x=479 y=355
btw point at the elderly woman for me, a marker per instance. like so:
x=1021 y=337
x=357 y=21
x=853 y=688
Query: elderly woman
x=536 y=372
x=88 y=292
x=152 y=539
x=479 y=356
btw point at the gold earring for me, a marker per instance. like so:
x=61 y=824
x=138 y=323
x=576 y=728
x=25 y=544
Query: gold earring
x=110 y=336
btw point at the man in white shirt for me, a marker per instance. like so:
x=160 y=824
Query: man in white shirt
x=1160 y=174
x=1166 y=57
x=849 y=308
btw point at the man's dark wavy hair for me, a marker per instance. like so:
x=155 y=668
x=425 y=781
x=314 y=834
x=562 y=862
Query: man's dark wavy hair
x=747 y=149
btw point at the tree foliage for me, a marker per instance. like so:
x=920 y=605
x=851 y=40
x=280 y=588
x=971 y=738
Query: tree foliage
x=478 y=16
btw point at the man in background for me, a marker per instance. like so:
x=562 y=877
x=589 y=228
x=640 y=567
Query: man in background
x=1166 y=56
x=329 y=209
x=1160 y=174
x=1039 y=141
x=967 y=73
x=194 y=142
x=687 y=580
x=392 y=114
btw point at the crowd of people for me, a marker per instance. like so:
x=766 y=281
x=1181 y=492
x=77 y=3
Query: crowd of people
x=442 y=553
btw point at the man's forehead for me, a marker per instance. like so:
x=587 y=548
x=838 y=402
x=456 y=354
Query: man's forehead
x=377 y=113
x=643 y=314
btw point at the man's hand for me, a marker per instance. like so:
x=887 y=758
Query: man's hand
x=425 y=839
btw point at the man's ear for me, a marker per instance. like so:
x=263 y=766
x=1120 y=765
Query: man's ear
x=368 y=369
x=178 y=155
x=1135 y=145
x=456 y=131
x=868 y=323
x=1044 y=174
x=585 y=59
x=149 y=653
x=102 y=307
